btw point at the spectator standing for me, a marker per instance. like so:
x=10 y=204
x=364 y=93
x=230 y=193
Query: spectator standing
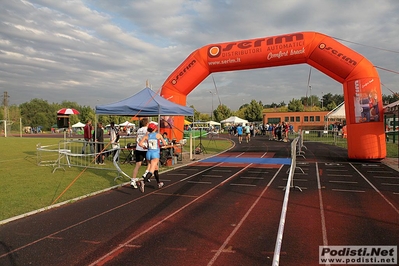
x=99 y=140
x=87 y=135
x=114 y=139
x=284 y=130
x=279 y=131
x=167 y=150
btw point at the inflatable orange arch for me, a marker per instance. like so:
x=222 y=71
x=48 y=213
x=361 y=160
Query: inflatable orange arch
x=361 y=83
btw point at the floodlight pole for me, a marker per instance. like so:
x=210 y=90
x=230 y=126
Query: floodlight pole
x=212 y=106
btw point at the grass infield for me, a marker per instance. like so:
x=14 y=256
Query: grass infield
x=27 y=187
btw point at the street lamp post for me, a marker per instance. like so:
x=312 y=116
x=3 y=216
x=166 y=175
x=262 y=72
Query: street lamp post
x=212 y=106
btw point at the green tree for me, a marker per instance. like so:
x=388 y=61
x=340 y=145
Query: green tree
x=14 y=114
x=87 y=113
x=196 y=115
x=38 y=112
x=331 y=106
x=222 y=112
x=254 y=111
x=295 y=106
x=204 y=117
x=338 y=98
x=243 y=106
x=240 y=112
x=387 y=99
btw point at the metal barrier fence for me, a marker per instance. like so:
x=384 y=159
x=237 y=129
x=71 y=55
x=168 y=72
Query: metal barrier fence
x=79 y=153
x=296 y=149
x=332 y=137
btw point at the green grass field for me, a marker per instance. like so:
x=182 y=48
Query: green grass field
x=26 y=187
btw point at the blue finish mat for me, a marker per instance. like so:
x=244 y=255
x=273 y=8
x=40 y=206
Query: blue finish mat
x=248 y=160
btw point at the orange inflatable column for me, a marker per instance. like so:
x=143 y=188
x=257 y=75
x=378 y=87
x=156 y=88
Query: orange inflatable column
x=364 y=117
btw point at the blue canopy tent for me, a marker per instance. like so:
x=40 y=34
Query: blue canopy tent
x=144 y=103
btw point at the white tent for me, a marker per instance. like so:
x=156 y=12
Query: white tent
x=126 y=124
x=213 y=123
x=337 y=113
x=234 y=120
x=78 y=124
x=391 y=108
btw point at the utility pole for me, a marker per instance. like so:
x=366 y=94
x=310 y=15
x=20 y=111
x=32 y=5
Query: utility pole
x=5 y=104
x=212 y=105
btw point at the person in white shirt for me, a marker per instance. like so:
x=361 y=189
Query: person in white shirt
x=114 y=139
x=140 y=152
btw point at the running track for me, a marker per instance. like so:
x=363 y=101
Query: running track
x=224 y=210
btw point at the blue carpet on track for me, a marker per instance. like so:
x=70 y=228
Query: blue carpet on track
x=248 y=160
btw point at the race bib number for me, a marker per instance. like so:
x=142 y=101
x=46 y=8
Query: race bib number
x=152 y=144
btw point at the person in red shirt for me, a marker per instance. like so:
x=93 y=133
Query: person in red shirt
x=87 y=135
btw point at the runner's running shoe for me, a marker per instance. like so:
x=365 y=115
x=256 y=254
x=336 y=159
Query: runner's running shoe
x=142 y=185
x=147 y=177
x=133 y=183
x=160 y=184
x=145 y=174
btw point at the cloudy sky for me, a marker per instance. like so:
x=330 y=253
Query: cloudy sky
x=99 y=51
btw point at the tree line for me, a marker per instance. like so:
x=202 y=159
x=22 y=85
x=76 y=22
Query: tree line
x=40 y=113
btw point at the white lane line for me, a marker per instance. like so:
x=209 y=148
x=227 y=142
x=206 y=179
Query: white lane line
x=133 y=246
x=199 y=182
x=343 y=182
x=322 y=215
x=223 y=246
x=390 y=184
x=283 y=187
x=151 y=227
x=257 y=172
x=251 y=177
x=297 y=179
x=388 y=177
x=243 y=185
x=379 y=192
x=348 y=190
x=212 y=176
x=382 y=172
